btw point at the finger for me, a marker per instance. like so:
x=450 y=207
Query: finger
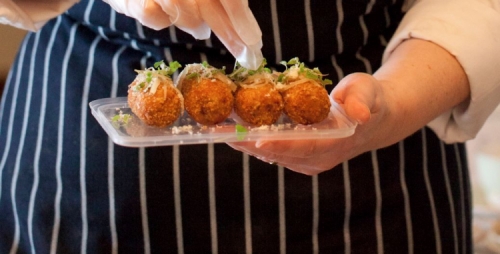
x=357 y=94
x=307 y=166
x=241 y=146
x=185 y=15
x=214 y=14
x=243 y=20
x=146 y=12
x=297 y=148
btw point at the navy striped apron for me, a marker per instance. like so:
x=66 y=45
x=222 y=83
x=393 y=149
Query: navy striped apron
x=66 y=188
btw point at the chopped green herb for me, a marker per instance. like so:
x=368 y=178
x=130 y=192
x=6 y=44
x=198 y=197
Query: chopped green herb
x=173 y=66
x=193 y=75
x=121 y=118
x=281 y=78
x=311 y=75
x=241 y=131
x=149 y=77
x=294 y=61
x=140 y=86
x=327 y=81
x=240 y=73
x=158 y=64
x=304 y=71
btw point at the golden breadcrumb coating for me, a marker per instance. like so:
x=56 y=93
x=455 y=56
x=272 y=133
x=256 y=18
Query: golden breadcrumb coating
x=306 y=103
x=161 y=108
x=258 y=105
x=207 y=101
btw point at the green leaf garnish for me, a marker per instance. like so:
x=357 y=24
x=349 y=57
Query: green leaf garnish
x=121 y=118
x=158 y=64
x=140 y=86
x=173 y=66
x=240 y=73
x=193 y=75
x=304 y=71
x=241 y=131
x=149 y=77
x=281 y=78
x=327 y=81
x=294 y=61
x=284 y=63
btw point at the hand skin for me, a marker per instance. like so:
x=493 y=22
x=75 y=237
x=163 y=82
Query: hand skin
x=418 y=82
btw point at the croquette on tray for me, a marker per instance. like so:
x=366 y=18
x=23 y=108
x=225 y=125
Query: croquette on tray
x=303 y=89
x=153 y=97
x=257 y=101
x=208 y=93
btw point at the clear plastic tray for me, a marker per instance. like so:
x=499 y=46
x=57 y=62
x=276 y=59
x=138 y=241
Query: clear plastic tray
x=135 y=133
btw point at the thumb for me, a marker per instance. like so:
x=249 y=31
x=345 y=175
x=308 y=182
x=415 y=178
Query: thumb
x=356 y=93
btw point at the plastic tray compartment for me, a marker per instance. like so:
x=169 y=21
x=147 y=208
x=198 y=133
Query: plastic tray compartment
x=134 y=133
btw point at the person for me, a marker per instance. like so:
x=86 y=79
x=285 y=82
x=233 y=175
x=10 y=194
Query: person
x=419 y=77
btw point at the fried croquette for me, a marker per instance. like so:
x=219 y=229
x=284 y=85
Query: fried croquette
x=258 y=104
x=306 y=103
x=257 y=101
x=153 y=98
x=208 y=93
x=304 y=94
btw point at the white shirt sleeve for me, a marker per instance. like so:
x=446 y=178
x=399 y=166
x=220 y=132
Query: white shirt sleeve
x=469 y=30
x=31 y=14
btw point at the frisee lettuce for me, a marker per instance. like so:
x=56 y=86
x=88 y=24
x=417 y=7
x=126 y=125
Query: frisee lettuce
x=314 y=74
x=240 y=73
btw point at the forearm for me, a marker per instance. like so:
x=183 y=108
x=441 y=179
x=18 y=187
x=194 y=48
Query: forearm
x=420 y=80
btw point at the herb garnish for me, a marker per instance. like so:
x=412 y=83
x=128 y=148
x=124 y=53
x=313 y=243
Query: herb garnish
x=207 y=71
x=149 y=76
x=121 y=118
x=240 y=73
x=241 y=132
x=303 y=70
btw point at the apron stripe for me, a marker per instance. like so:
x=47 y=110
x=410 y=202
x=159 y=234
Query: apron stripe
x=281 y=208
x=462 y=201
x=450 y=197
x=430 y=193
x=347 y=212
x=378 y=207
x=404 y=189
x=15 y=174
x=338 y=31
x=177 y=195
x=83 y=150
x=315 y=214
x=41 y=123
x=310 y=29
x=12 y=111
x=246 y=201
x=276 y=32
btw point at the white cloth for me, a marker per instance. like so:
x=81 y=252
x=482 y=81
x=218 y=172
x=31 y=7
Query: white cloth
x=468 y=29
